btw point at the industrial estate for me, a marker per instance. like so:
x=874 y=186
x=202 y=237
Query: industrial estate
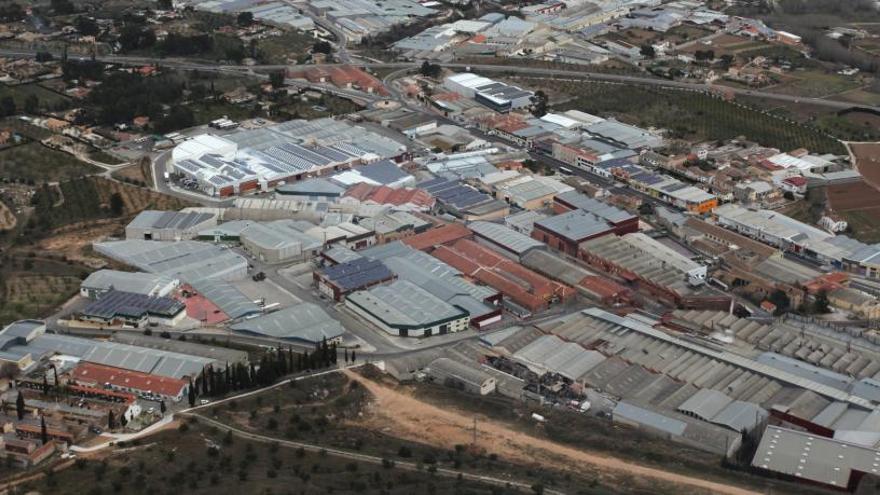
x=337 y=246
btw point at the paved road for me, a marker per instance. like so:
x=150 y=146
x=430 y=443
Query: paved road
x=536 y=71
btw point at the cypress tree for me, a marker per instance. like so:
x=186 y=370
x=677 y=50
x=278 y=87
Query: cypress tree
x=346 y=355
x=45 y=385
x=111 y=421
x=191 y=394
x=44 y=435
x=353 y=357
x=19 y=406
x=162 y=407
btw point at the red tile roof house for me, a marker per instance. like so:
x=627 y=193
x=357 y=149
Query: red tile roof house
x=795 y=184
x=130 y=381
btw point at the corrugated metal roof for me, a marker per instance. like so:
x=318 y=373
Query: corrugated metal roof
x=505 y=237
x=812 y=457
x=228 y=298
x=124 y=356
x=651 y=419
x=404 y=304
x=304 y=322
x=149 y=284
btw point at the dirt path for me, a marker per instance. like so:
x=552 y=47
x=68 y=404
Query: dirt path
x=7 y=218
x=416 y=420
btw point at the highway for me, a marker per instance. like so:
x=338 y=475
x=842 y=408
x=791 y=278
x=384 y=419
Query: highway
x=255 y=70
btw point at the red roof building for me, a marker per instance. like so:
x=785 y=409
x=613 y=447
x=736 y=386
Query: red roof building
x=606 y=290
x=134 y=382
x=443 y=234
x=343 y=77
x=418 y=199
x=523 y=286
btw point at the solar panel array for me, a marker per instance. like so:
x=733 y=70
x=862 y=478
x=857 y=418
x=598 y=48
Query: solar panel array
x=358 y=273
x=117 y=303
x=454 y=194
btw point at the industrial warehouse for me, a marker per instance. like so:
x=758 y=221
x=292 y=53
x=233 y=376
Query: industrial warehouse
x=346 y=209
x=260 y=159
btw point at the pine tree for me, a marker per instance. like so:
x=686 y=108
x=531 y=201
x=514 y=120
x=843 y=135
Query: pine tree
x=19 y=406
x=44 y=435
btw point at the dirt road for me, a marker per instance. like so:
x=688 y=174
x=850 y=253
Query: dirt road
x=419 y=421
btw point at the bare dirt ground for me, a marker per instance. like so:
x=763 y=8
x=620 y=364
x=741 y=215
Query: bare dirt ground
x=415 y=420
x=7 y=219
x=74 y=241
x=867 y=161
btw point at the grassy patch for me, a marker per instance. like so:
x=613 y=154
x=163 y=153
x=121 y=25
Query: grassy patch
x=326 y=105
x=848 y=129
x=137 y=173
x=207 y=110
x=324 y=410
x=816 y=84
x=690 y=115
x=90 y=198
x=860 y=96
x=104 y=157
x=33 y=287
x=291 y=46
x=864 y=224
x=48 y=99
x=202 y=460
x=33 y=162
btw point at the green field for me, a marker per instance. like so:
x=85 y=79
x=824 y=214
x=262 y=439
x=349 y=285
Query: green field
x=691 y=115
x=277 y=50
x=864 y=225
x=20 y=93
x=104 y=157
x=206 y=111
x=36 y=163
x=34 y=287
x=815 y=84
